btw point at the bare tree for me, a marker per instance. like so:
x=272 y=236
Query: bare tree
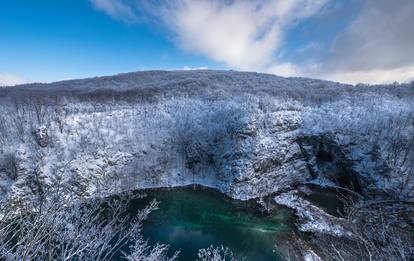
x=141 y=249
x=216 y=254
x=381 y=231
x=94 y=230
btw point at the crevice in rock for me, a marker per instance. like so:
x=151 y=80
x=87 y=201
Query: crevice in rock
x=326 y=160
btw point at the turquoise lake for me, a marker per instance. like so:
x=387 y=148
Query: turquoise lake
x=190 y=219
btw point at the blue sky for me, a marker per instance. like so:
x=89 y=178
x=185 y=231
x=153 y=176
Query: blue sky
x=70 y=39
x=345 y=40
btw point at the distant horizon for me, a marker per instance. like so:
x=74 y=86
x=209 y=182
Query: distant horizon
x=198 y=70
x=347 y=41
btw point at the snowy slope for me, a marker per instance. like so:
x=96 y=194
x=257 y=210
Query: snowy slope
x=246 y=134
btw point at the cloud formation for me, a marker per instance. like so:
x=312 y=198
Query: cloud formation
x=10 y=79
x=241 y=34
x=117 y=9
x=377 y=46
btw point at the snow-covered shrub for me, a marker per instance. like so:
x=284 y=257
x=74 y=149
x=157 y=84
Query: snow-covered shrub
x=216 y=254
x=141 y=250
x=93 y=230
x=167 y=123
x=380 y=231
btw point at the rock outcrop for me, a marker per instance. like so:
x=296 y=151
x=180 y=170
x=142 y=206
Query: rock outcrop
x=247 y=135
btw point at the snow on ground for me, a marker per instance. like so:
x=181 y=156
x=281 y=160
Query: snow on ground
x=237 y=132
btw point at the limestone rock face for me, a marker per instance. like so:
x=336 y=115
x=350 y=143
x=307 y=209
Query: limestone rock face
x=252 y=159
x=328 y=161
x=247 y=135
x=104 y=165
x=263 y=164
x=260 y=154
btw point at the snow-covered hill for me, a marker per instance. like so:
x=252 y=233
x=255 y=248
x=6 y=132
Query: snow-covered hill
x=246 y=134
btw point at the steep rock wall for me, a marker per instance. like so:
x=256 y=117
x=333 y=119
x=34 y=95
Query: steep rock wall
x=246 y=144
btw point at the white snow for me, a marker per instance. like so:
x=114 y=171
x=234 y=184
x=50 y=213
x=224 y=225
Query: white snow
x=233 y=131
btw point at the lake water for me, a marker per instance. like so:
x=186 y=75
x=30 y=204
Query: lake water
x=191 y=219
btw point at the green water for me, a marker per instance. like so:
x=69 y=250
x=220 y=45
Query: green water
x=192 y=219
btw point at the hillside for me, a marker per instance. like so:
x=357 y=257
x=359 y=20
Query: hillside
x=246 y=134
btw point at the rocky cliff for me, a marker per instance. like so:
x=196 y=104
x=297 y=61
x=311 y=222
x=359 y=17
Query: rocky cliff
x=248 y=135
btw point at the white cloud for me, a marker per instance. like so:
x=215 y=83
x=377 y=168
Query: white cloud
x=241 y=34
x=10 y=79
x=188 y=68
x=376 y=76
x=285 y=69
x=376 y=47
x=117 y=9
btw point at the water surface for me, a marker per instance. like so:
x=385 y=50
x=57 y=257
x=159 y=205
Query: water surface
x=191 y=219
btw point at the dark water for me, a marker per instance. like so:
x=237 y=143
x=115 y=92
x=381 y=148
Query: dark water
x=329 y=200
x=192 y=219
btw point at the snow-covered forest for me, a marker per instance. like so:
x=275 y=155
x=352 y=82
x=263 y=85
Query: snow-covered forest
x=208 y=127
x=246 y=134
